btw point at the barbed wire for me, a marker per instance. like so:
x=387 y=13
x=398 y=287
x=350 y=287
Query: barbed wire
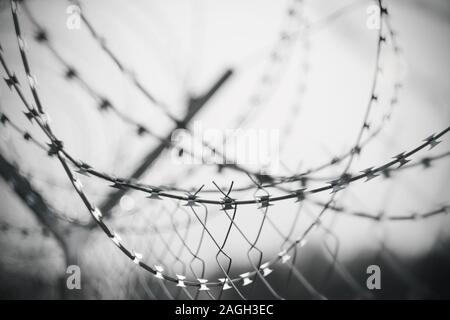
x=368 y=173
x=192 y=200
x=41 y=36
x=292 y=12
x=425 y=162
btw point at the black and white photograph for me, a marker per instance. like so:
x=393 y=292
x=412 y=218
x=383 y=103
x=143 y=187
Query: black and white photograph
x=226 y=150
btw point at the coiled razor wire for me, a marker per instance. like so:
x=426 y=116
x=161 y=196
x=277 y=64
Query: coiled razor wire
x=194 y=201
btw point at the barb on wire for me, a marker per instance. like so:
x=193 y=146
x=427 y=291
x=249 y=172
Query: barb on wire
x=262 y=200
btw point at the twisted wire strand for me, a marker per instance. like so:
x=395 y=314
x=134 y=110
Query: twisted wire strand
x=401 y=159
x=368 y=173
x=105 y=105
x=425 y=162
x=333 y=161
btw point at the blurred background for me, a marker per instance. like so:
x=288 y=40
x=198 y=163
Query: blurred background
x=109 y=72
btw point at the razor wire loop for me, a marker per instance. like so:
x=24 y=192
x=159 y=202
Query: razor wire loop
x=147 y=94
x=367 y=173
x=374 y=97
x=116 y=239
x=106 y=105
x=401 y=217
x=354 y=150
x=86 y=169
x=83 y=168
x=140 y=129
